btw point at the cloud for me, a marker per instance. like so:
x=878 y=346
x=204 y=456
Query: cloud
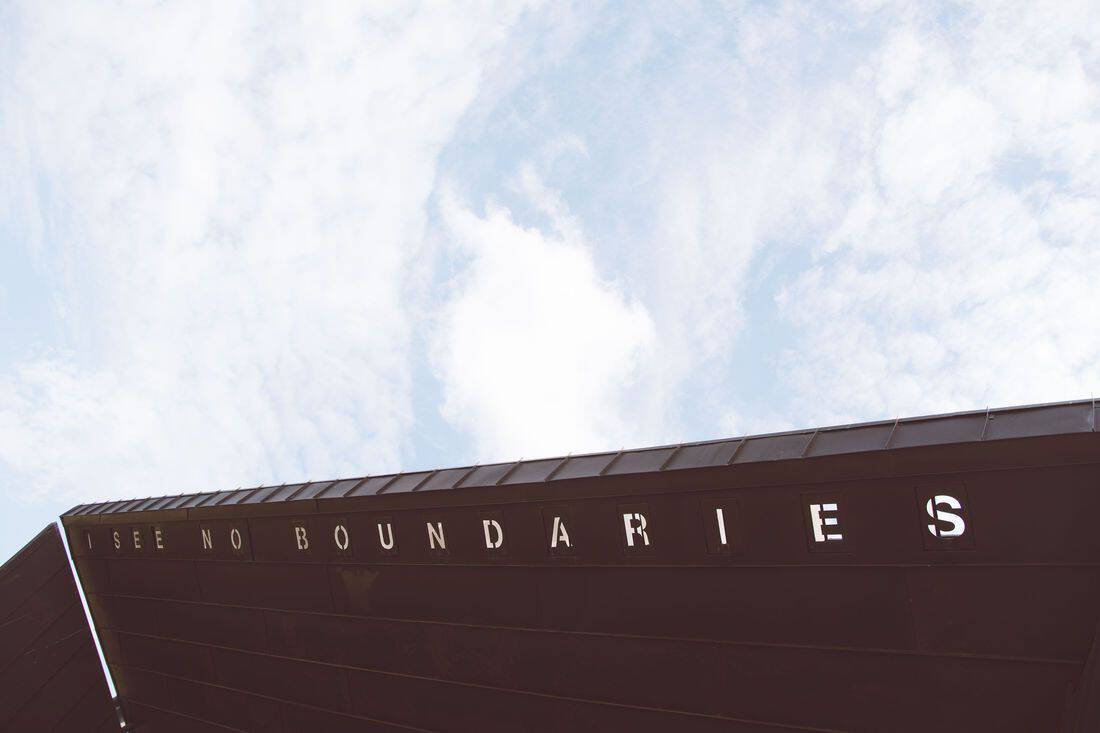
x=538 y=353
x=959 y=276
x=831 y=213
x=232 y=198
x=658 y=223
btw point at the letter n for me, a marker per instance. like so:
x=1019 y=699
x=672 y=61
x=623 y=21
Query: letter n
x=437 y=543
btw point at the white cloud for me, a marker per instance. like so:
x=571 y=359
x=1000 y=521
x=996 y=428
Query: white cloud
x=945 y=137
x=538 y=353
x=235 y=195
x=963 y=277
x=727 y=218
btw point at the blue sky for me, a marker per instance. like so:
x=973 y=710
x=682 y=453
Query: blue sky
x=252 y=244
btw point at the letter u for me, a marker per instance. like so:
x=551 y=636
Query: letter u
x=385 y=538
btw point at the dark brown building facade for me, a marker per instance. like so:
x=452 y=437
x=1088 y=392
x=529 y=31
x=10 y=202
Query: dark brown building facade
x=51 y=680
x=925 y=574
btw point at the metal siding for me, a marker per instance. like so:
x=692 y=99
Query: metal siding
x=900 y=628
x=50 y=675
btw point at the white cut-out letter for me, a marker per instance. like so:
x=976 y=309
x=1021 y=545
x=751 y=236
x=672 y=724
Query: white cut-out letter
x=88 y=537
x=386 y=540
x=118 y=541
x=721 y=525
x=340 y=536
x=635 y=524
x=558 y=534
x=819 y=523
x=158 y=538
x=207 y=540
x=137 y=538
x=235 y=538
x=492 y=527
x=958 y=526
x=435 y=536
x=301 y=538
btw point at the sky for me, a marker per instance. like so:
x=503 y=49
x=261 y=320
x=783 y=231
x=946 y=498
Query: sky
x=254 y=243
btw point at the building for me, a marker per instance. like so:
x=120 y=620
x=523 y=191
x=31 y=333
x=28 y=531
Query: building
x=937 y=573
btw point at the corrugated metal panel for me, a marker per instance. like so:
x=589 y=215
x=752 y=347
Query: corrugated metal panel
x=147 y=504
x=774 y=448
x=851 y=440
x=197 y=500
x=162 y=503
x=283 y=493
x=373 y=485
x=488 y=475
x=531 y=471
x=313 y=490
x=340 y=488
x=238 y=496
x=583 y=466
x=406 y=482
x=260 y=495
x=123 y=506
x=640 y=461
x=110 y=507
x=939 y=431
x=703 y=455
x=445 y=479
x=181 y=500
x=1053 y=420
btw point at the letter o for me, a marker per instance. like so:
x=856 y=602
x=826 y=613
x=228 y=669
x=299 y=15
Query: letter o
x=235 y=538
x=339 y=531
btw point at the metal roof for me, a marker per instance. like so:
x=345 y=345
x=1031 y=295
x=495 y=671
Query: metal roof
x=1061 y=418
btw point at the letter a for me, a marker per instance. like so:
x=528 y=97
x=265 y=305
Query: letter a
x=558 y=534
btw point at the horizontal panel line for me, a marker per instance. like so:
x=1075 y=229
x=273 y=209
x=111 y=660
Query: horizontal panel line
x=177 y=713
x=96 y=687
x=15 y=620
x=434 y=680
x=26 y=702
x=25 y=554
x=29 y=648
x=602 y=634
x=37 y=589
x=279 y=701
x=962 y=656
x=572 y=563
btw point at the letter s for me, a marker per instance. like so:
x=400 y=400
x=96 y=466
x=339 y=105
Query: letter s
x=958 y=526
